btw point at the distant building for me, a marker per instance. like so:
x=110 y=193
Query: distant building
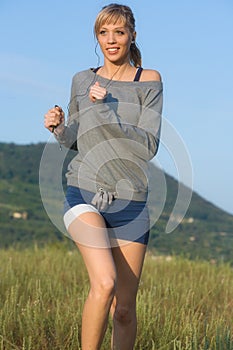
x=19 y=215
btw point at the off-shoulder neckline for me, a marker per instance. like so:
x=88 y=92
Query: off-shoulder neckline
x=121 y=82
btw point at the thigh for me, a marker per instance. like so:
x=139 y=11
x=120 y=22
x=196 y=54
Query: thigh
x=128 y=260
x=84 y=223
x=87 y=228
x=90 y=235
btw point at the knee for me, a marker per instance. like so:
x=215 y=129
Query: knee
x=124 y=314
x=104 y=289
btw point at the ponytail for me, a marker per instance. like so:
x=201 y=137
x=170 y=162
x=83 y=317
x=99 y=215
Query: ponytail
x=135 y=55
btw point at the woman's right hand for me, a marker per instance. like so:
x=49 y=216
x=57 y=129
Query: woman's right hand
x=97 y=92
x=53 y=118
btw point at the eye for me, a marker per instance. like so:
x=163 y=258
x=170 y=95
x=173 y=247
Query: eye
x=102 y=32
x=120 y=32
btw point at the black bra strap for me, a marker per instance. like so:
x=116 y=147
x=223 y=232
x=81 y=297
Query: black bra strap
x=95 y=70
x=138 y=74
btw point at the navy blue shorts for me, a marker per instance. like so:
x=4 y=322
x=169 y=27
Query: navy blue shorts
x=126 y=220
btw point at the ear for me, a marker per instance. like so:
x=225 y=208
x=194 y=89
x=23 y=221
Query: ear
x=134 y=37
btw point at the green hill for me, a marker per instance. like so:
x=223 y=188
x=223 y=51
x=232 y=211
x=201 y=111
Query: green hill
x=205 y=232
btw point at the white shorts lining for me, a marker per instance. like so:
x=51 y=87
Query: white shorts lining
x=77 y=210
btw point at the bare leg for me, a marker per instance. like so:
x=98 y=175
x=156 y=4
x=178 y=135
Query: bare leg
x=129 y=261
x=101 y=269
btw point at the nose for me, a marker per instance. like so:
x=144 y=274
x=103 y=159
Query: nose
x=111 y=38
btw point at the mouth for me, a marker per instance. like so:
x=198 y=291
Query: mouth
x=112 y=50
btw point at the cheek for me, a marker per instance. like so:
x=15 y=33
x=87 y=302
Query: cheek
x=127 y=43
x=127 y=46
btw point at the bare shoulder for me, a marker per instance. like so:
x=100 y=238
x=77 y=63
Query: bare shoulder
x=150 y=75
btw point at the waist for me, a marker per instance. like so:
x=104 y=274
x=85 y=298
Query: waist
x=121 y=190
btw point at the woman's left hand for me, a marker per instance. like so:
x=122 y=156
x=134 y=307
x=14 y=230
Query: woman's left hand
x=97 y=92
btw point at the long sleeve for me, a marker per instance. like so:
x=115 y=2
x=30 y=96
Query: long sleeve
x=68 y=136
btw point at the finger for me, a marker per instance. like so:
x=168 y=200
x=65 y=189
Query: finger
x=96 y=87
x=98 y=91
x=55 y=111
x=92 y=98
x=52 y=117
x=97 y=97
x=97 y=94
x=58 y=108
x=47 y=125
x=51 y=120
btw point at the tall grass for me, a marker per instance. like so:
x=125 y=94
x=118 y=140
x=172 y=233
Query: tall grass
x=182 y=304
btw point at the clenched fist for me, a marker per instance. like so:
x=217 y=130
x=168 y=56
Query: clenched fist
x=97 y=92
x=53 y=118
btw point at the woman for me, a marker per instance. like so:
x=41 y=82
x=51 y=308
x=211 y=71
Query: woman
x=114 y=124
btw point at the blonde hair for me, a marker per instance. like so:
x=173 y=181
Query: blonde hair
x=112 y=14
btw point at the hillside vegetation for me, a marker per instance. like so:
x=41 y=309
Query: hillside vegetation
x=206 y=231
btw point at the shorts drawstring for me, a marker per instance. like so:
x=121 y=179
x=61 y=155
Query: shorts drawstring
x=102 y=199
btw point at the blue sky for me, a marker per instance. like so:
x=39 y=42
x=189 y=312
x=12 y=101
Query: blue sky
x=44 y=43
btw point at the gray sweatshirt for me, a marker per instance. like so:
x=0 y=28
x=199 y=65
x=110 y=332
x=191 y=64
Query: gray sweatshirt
x=115 y=137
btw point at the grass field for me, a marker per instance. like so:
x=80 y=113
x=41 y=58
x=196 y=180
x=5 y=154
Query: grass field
x=182 y=304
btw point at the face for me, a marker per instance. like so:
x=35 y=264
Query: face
x=115 y=40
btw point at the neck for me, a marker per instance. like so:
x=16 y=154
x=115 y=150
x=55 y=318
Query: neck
x=115 y=71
